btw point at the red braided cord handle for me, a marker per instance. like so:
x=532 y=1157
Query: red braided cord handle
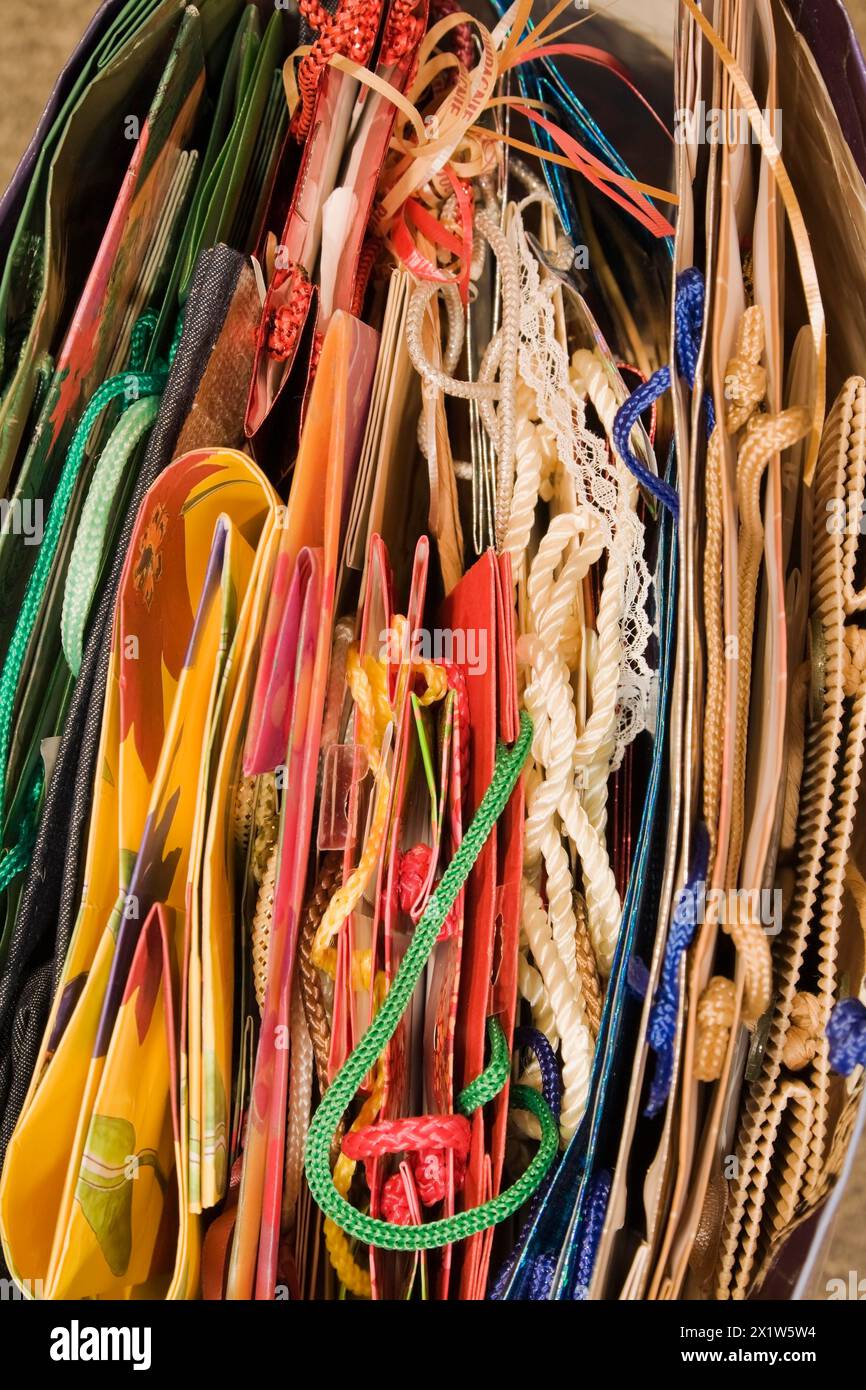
x=350 y=31
x=408 y=1136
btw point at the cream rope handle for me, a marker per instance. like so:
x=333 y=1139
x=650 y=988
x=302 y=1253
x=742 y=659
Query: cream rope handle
x=603 y=906
x=534 y=460
x=576 y=1039
x=572 y=545
x=551 y=934
x=556 y=745
x=549 y=598
x=550 y=601
x=532 y=989
x=594 y=744
x=566 y=794
x=542 y=836
x=550 y=693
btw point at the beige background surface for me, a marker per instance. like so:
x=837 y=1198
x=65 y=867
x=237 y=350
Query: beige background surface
x=36 y=36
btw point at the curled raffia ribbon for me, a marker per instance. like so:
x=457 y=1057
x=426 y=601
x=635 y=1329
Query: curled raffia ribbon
x=433 y=156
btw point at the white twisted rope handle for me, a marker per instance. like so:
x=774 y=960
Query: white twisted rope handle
x=576 y=1038
x=572 y=545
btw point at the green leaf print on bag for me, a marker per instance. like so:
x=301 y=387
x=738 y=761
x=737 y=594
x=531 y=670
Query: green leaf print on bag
x=109 y=1167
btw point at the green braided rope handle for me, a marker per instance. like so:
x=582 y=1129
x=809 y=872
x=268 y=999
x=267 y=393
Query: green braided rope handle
x=385 y=1234
x=126 y=387
x=494 y=1075
x=82 y=574
x=16 y=859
